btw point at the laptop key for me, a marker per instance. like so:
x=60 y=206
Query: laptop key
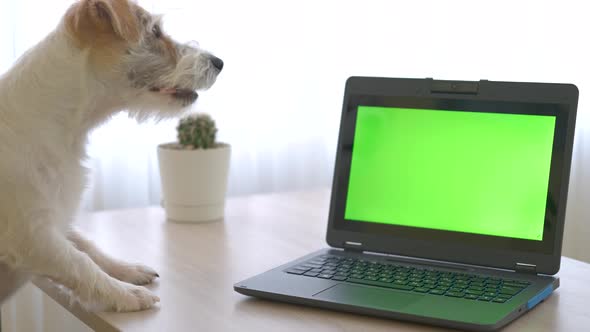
x=455 y=294
x=302 y=267
x=499 y=300
x=506 y=284
x=421 y=290
x=485 y=298
x=509 y=290
x=437 y=291
x=471 y=297
x=311 y=266
x=311 y=274
x=339 y=278
x=379 y=284
x=316 y=263
x=511 y=281
x=296 y=271
x=325 y=276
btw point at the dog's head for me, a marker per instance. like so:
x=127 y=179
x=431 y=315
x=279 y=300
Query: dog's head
x=129 y=51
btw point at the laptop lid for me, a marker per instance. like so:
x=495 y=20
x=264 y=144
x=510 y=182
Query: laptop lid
x=466 y=172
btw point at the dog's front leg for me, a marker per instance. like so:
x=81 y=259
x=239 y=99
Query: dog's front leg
x=132 y=273
x=51 y=254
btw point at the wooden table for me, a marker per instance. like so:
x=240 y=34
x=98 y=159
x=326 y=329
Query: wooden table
x=198 y=265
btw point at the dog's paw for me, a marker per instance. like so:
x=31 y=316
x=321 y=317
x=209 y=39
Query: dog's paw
x=134 y=298
x=134 y=273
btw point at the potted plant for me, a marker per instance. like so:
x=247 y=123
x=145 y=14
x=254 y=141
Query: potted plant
x=194 y=171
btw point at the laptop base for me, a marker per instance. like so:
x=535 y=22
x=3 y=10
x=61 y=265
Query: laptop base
x=442 y=310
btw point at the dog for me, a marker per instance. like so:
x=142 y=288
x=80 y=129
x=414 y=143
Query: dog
x=104 y=57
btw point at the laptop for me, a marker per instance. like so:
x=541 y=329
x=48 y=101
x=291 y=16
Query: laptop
x=448 y=203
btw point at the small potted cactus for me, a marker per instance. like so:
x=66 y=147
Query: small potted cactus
x=194 y=171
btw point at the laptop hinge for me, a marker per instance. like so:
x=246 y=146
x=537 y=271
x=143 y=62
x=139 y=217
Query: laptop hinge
x=526 y=268
x=353 y=246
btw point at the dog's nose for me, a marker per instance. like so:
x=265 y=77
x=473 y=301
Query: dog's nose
x=217 y=62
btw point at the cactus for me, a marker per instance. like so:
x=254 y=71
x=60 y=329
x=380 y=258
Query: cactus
x=197 y=132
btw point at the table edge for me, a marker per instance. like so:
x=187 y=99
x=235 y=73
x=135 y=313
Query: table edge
x=90 y=319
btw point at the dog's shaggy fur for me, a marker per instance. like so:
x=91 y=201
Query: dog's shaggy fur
x=104 y=57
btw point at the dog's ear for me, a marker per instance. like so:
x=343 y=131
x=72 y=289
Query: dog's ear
x=116 y=15
x=94 y=21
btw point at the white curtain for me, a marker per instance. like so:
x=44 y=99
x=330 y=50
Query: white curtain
x=278 y=100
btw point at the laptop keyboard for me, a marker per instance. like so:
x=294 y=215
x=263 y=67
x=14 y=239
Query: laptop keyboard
x=412 y=279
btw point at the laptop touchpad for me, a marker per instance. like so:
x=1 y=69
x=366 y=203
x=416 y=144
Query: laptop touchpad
x=367 y=296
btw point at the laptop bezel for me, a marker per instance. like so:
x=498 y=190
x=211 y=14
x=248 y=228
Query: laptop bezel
x=544 y=261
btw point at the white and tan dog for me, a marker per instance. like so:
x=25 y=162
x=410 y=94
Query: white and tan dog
x=105 y=56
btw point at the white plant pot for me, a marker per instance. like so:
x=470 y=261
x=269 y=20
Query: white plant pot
x=194 y=182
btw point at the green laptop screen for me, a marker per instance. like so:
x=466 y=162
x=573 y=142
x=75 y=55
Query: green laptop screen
x=482 y=173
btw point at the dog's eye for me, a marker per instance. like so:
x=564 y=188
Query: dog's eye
x=157 y=32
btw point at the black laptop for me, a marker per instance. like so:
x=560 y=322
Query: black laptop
x=448 y=203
